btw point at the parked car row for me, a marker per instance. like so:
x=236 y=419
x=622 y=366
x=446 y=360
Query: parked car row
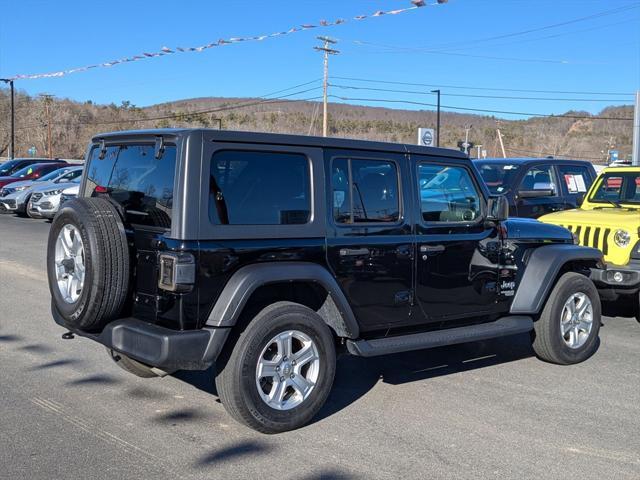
x=35 y=188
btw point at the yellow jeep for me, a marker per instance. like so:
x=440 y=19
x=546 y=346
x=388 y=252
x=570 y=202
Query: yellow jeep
x=609 y=219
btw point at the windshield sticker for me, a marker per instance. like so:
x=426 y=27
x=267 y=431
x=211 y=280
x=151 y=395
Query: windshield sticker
x=338 y=198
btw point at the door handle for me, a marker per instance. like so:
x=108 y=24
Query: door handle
x=431 y=248
x=349 y=252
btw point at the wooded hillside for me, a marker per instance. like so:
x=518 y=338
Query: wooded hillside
x=74 y=123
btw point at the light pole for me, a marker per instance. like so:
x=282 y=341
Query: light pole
x=437 y=119
x=12 y=154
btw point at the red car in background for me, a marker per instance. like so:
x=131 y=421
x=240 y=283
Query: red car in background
x=31 y=172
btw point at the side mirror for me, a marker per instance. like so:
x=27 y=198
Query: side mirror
x=498 y=208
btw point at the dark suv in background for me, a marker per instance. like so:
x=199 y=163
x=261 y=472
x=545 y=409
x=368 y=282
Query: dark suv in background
x=537 y=186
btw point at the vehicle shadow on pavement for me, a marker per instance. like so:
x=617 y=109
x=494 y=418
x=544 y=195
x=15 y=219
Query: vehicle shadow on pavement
x=10 y=338
x=235 y=452
x=355 y=376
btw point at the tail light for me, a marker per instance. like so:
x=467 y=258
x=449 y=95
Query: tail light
x=177 y=271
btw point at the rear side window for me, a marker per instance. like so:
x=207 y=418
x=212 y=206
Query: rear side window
x=133 y=177
x=576 y=179
x=259 y=188
x=365 y=191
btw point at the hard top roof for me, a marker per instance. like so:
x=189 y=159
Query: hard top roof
x=525 y=160
x=281 y=139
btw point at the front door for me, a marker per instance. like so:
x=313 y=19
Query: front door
x=369 y=240
x=541 y=179
x=458 y=254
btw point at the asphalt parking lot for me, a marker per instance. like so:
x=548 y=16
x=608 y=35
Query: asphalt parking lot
x=481 y=410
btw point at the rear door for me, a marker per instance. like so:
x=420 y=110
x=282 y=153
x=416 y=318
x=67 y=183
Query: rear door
x=575 y=181
x=369 y=236
x=457 y=253
x=141 y=186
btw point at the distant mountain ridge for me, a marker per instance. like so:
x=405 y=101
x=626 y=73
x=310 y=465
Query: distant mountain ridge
x=74 y=123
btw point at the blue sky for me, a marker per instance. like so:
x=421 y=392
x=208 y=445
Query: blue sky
x=446 y=45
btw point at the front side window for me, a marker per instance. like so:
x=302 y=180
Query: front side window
x=540 y=177
x=259 y=188
x=618 y=188
x=447 y=194
x=134 y=178
x=365 y=191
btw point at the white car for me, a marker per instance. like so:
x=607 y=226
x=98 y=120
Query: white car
x=45 y=203
x=15 y=196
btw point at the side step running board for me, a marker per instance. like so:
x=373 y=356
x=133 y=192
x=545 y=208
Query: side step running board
x=418 y=341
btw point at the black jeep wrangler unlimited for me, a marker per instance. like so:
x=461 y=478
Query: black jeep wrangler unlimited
x=267 y=255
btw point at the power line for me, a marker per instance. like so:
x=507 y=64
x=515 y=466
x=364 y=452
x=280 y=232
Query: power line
x=604 y=13
x=542 y=154
x=468 y=109
x=352 y=87
x=462 y=87
x=397 y=49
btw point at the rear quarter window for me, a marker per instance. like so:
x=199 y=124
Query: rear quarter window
x=132 y=176
x=259 y=188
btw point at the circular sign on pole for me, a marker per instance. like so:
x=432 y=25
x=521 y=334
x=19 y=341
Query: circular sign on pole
x=426 y=137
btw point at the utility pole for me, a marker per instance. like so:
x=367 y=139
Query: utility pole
x=437 y=119
x=504 y=154
x=12 y=153
x=635 y=157
x=327 y=51
x=47 y=111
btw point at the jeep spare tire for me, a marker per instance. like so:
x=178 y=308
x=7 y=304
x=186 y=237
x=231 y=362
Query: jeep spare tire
x=88 y=263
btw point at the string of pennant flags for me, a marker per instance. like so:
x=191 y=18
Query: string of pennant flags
x=415 y=4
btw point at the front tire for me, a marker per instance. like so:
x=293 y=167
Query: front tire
x=567 y=330
x=278 y=374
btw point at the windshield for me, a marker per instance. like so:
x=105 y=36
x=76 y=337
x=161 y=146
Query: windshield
x=7 y=168
x=614 y=188
x=53 y=175
x=498 y=176
x=23 y=172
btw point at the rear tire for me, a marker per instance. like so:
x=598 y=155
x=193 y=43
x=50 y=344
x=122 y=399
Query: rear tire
x=130 y=365
x=105 y=264
x=563 y=337
x=304 y=384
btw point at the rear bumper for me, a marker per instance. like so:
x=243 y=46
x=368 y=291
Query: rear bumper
x=160 y=347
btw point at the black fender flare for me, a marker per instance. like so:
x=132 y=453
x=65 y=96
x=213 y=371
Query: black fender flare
x=336 y=311
x=541 y=271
